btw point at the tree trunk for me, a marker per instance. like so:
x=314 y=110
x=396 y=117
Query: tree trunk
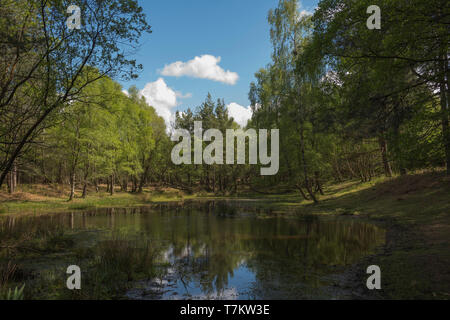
x=125 y=184
x=135 y=185
x=12 y=179
x=84 y=190
x=305 y=168
x=143 y=179
x=386 y=163
x=8 y=183
x=214 y=181
x=60 y=178
x=111 y=188
x=72 y=186
x=302 y=193
x=86 y=174
x=445 y=118
x=318 y=184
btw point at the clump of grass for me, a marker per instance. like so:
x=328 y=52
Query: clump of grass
x=81 y=206
x=8 y=272
x=25 y=238
x=108 y=269
x=111 y=267
x=16 y=294
x=123 y=257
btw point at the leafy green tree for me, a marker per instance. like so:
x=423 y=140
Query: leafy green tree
x=46 y=63
x=414 y=34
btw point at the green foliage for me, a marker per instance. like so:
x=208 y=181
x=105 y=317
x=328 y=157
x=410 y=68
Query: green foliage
x=103 y=135
x=214 y=178
x=16 y=294
x=352 y=102
x=349 y=102
x=47 y=66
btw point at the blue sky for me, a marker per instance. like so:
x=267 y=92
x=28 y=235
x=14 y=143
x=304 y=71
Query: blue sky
x=234 y=30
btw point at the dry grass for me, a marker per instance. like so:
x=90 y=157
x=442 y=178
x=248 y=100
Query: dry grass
x=43 y=192
x=7 y=271
x=36 y=199
x=40 y=192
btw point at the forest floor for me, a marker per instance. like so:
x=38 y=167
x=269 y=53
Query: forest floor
x=414 y=210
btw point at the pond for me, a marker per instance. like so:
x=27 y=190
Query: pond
x=198 y=250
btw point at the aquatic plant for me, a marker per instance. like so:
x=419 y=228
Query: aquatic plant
x=16 y=294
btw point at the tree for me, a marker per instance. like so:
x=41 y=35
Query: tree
x=413 y=34
x=45 y=63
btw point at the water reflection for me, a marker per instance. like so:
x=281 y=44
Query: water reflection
x=228 y=250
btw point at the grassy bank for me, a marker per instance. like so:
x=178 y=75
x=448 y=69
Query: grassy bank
x=51 y=198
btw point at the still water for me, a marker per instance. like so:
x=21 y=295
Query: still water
x=232 y=249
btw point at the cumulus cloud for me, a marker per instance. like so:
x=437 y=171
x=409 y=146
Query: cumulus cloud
x=163 y=98
x=203 y=67
x=183 y=96
x=239 y=113
x=305 y=13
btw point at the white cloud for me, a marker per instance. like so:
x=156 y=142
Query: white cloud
x=125 y=92
x=305 y=13
x=240 y=114
x=162 y=98
x=204 y=67
x=183 y=96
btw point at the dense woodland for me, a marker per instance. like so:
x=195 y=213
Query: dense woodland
x=350 y=102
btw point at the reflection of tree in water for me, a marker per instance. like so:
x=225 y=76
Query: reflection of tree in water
x=206 y=242
x=205 y=248
x=210 y=271
x=209 y=244
x=301 y=261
